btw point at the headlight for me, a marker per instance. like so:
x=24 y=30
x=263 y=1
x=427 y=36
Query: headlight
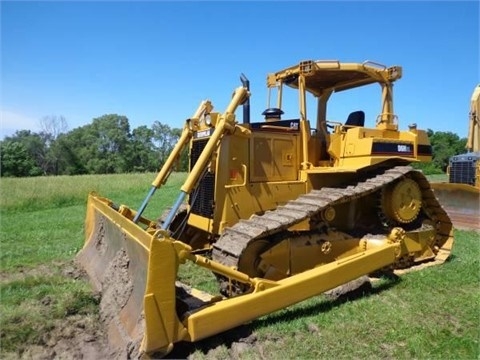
x=208 y=120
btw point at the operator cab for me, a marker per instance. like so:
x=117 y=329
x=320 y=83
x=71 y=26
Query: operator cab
x=323 y=78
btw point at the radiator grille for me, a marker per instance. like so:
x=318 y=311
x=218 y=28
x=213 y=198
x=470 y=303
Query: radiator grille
x=201 y=200
x=462 y=172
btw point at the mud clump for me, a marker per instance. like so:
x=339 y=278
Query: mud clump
x=350 y=291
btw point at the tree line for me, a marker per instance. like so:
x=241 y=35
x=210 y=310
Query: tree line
x=105 y=146
x=108 y=146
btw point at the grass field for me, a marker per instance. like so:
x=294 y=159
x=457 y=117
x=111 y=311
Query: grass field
x=433 y=313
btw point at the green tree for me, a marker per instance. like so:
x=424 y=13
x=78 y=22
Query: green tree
x=183 y=162
x=142 y=153
x=73 y=150
x=165 y=139
x=97 y=148
x=40 y=147
x=52 y=127
x=112 y=134
x=16 y=160
x=444 y=146
x=32 y=150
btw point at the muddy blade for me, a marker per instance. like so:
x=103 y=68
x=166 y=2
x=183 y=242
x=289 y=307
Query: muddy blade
x=116 y=257
x=461 y=202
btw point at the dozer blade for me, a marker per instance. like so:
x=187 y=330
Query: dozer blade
x=461 y=202
x=116 y=257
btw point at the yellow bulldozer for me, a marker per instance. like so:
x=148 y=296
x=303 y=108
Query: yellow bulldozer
x=460 y=196
x=279 y=209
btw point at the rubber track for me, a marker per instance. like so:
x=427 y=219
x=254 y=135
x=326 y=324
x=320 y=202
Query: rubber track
x=228 y=248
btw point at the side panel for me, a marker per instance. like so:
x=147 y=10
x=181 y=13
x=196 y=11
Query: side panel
x=361 y=147
x=256 y=174
x=274 y=157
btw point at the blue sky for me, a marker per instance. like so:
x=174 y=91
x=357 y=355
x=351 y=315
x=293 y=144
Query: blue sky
x=157 y=60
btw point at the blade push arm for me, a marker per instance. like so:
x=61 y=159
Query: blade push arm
x=204 y=107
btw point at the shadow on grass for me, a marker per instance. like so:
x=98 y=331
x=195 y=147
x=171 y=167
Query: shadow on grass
x=244 y=333
x=325 y=306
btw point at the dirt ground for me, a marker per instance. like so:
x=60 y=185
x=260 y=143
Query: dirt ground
x=75 y=336
x=84 y=336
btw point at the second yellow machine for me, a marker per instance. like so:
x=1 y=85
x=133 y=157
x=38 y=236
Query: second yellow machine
x=282 y=209
x=460 y=196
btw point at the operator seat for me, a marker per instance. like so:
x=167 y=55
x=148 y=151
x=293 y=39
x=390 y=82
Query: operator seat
x=356 y=118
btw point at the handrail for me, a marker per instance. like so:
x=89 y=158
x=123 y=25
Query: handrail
x=275 y=127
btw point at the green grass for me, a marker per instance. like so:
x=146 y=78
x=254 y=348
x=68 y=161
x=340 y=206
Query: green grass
x=438 y=178
x=53 y=192
x=429 y=314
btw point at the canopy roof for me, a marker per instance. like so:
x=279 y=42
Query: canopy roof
x=333 y=75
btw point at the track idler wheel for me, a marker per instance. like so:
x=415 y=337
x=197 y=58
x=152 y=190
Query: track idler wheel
x=402 y=201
